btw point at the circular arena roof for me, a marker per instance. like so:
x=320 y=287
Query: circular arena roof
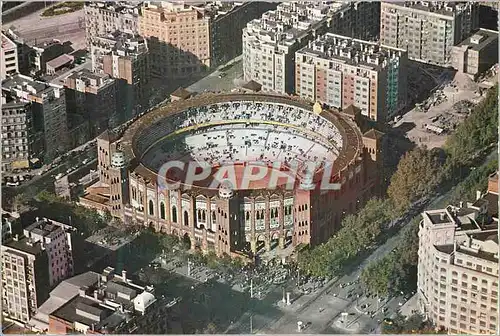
x=220 y=130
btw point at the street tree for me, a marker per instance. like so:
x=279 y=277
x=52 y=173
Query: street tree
x=477 y=132
x=417 y=175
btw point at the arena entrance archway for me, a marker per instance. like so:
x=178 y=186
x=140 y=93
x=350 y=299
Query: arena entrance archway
x=288 y=238
x=275 y=240
x=260 y=244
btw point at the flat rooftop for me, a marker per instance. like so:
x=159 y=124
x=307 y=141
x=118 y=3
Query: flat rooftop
x=479 y=254
x=122 y=7
x=350 y=51
x=20 y=82
x=441 y=217
x=69 y=312
x=442 y=8
x=480 y=39
x=58 y=62
x=24 y=245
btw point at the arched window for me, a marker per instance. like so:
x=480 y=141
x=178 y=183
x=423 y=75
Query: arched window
x=174 y=214
x=204 y=215
x=214 y=217
x=247 y=215
x=151 y=208
x=186 y=218
x=162 y=210
x=257 y=215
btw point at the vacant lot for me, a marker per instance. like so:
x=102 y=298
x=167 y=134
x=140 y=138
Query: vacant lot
x=35 y=28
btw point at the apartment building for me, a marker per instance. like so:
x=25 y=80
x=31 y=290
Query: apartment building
x=48 y=110
x=25 y=279
x=56 y=237
x=24 y=51
x=357 y=19
x=7 y=220
x=9 y=59
x=32 y=265
x=226 y=26
x=104 y=17
x=340 y=71
x=476 y=54
x=270 y=43
x=93 y=97
x=46 y=52
x=178 y=35
x=187 y=38
x=126 y=58
x=458 y=265
x=21 y=142
x=100 y=305
x=427 y=30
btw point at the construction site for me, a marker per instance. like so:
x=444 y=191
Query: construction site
x=453 y=98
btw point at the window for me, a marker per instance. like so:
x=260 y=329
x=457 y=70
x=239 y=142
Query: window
x=174 y=214
x=151 y=208
x=162 y=210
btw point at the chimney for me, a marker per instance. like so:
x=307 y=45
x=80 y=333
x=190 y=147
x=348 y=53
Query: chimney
x=96 y=294
x=81 y=292
x=461 y=205
x=442 y=216
x=16 y=237
x=124 y=275
x=478 y=194
x=36 y=219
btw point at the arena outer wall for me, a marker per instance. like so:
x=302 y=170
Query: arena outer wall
x=238 y=225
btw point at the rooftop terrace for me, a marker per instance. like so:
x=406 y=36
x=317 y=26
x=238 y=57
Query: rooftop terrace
x=445 y=8
x=352 y=51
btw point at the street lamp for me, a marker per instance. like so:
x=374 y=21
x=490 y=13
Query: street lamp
x=251 y=288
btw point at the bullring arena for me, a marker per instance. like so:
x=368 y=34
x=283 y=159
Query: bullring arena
x=238 y=130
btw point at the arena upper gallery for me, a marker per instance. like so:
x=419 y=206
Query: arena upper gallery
x=233 y=135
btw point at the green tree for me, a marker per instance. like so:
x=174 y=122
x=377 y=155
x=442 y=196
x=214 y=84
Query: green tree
x=418 y=174
x=357 y=234
x=478 y=131
x=47 y=197
x=376 y=276
x=19 y=203
x=212 y=260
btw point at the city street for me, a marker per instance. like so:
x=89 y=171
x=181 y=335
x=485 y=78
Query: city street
x=225 y=78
